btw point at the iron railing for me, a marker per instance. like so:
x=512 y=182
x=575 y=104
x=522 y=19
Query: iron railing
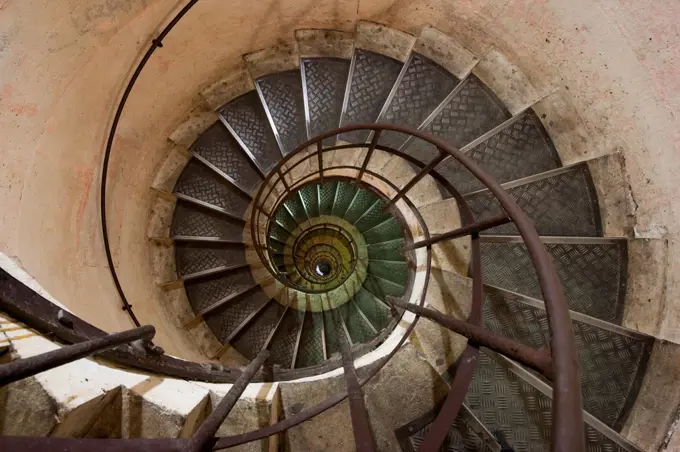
x=558 y=364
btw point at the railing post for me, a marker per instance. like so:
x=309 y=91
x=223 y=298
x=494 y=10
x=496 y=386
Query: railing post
x=361 y=426
x=422 y=173
x=319 y=148
x=22 y=368
x=205 y=435
x=369 y=153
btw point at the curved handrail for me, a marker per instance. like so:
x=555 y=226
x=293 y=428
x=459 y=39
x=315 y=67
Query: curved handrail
x=155 y=43
x=568 y=427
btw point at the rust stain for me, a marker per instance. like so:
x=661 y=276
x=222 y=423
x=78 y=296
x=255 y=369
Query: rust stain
x=29 y=110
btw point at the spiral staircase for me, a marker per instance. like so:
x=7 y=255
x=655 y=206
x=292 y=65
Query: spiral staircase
x=310 y=255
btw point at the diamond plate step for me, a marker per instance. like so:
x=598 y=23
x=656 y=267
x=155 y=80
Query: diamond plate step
x=612 y=362
x=383 y=232
x=363 y=200
x=195 y=257
x=251 y=340
x=372 y=77
x=376 y=312
x=503 y=400
x=193 y=221
x=561 y=202
x=246 y=118
x=393 y=271
x=470 y=113
x=311 y=341
x=422 y=85
x=199 y=182
x=324 y=83
x=593 y=272
x=467 y=434
x=218 y=147
x=284 y=341
x=519 y=151
x=343 y=198
x=282 y=97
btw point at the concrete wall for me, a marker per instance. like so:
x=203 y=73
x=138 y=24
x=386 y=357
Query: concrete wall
x=64 y=63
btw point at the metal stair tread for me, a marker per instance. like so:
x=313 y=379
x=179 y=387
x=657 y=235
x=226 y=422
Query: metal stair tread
x=422 y=85
x=612 y=365
x=247 y=120
x=282 y=98
x=372 y=77
x=593 y=275
x=324 y=82
x=560 y=202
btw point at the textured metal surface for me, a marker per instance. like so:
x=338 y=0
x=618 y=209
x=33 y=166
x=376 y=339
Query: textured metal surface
x=326 y=79
x=327 y=197
x=202 y=183
x=285 y=220
x=372 y=79
x=389 y=230
x=562 y=204
x=253 y=337
x=381 y=288
x=295 y=207
x=310 y=200
x=422 y=88
x=247 y=117
x=189 y=220
x=202 y=293
x=224 y=322
x=518 y=151
x=362 y=201
x=344 y=198
x=282 y=94
x=278 y=233
x=394 y=271
x=195 y=257
x=593 y=276
x=311 y=343
x=221 y=149
x=612 y=365
x=372 y=217
x=359 y=330
x=468 y=115
x=387 y=251
x=283 y=343
x=461 y=438
x=377 y=313
x=332 y=331
x=502 y=401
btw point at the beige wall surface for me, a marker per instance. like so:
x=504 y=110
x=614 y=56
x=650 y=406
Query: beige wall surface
x=64 y=63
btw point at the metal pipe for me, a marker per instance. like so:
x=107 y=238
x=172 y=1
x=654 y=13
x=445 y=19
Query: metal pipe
x=540 y=360
x=369 y=153
x=471 y=229
x=363 y=436
x=422 y=173
x=27 y=367
x=204 y=438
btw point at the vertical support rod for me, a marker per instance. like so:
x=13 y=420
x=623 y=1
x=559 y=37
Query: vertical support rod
x=363 y=436
x=422 y=173
x=371 y=148
x=319 y=148
x=205 y=435
x=22 y=368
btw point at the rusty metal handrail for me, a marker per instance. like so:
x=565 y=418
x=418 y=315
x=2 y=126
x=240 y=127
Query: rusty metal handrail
x=568 y=430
